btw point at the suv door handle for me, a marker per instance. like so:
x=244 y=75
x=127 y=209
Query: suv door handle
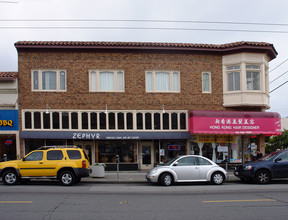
x=40 y=162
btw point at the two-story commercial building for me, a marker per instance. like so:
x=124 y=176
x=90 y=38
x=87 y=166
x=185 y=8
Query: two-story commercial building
x=146 y=102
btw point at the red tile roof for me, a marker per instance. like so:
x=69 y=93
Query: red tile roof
x=242 y=45
x=8 y=76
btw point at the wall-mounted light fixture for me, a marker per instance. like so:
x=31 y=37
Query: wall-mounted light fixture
x=47 y=109
x=106 y=110
x=163 y=110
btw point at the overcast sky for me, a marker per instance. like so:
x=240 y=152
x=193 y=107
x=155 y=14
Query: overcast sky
x=123 y=20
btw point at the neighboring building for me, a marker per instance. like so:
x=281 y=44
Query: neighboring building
x=9 y=128
x=284 y=124
x=146 y=102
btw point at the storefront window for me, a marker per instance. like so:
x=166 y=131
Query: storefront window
x=109 y=150
x=139 y=121
x=55 y=120
x=28 y=123
x=37 y=120
x=93 y=118
x=120 y=120
x=65 y=120
x=74 y=120
x=111 y=120
x=84 y=120
x=148 y=121
x=170 y=149
x=46 y=118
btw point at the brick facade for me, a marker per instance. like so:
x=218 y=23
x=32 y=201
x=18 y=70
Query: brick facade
x=78 y=64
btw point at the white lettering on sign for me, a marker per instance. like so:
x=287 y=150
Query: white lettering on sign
x=86 y=136
x=234 y=121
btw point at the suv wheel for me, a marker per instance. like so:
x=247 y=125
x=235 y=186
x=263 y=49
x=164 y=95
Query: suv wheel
x=67 y=178
x=263 y=177
x=10 y=177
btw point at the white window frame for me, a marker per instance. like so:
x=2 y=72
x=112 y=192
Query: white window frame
x=58 y=82
x=254 y=68
x=233 y=69
x=203 y=87
x=152 y=88
x=116 y=86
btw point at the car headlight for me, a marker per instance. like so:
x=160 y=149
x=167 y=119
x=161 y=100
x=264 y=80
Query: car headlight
x=249 y=167
x=154 y=171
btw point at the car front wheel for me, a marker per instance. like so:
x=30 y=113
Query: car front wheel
x=67 y=178
x=166 y=179
x=263 y=177
x=10 y=177
x=217 y=178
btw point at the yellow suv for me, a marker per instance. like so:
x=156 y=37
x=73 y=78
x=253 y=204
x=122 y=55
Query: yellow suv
x=64 y=163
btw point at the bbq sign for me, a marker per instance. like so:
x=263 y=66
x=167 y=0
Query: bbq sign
x=9 y=120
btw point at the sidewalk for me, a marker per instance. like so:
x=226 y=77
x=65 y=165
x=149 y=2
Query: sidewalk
x=132 y=177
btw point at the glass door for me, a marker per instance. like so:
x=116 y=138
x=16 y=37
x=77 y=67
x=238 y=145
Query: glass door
x=146 y=155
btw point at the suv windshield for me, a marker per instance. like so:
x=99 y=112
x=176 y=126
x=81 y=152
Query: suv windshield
x=269 y=156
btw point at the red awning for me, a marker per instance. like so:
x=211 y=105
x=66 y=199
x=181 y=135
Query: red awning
x=235 y=123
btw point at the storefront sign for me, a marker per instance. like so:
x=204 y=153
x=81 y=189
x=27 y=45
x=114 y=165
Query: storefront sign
x=8 y=142
x=9 y=120
x=174 y=147
x=104 y=135
x=215 y=139
x=222 y=149
x=227 y=122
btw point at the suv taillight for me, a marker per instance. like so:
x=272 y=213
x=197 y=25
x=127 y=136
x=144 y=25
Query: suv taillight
x=83 y=163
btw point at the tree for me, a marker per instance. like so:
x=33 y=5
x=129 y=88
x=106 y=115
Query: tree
x=277 y=142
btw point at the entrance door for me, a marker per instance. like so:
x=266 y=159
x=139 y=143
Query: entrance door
x=146 y=155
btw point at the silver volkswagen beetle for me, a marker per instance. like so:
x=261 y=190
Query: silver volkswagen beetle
x=188 y=168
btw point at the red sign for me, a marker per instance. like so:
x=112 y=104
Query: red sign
x=8 y=142
x=174 y=147
x=221 y=122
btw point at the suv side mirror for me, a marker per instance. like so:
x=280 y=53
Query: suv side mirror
x=278 y=159
x=23 y=159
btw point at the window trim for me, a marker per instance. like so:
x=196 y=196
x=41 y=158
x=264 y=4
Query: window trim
x=115 y=83
x=210 y=86
x=171 y=81
x=58 y=81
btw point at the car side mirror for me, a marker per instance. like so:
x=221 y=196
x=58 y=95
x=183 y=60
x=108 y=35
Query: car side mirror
x=175 y=164
x=278 y=159
x=23 y=159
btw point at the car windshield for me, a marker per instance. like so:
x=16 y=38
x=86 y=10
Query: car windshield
x=269 y=156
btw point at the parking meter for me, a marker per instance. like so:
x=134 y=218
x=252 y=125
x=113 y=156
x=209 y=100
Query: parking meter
x=117 y=159
x=117 y=162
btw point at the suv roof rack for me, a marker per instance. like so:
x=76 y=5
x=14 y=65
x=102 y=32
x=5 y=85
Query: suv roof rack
x=56 y=146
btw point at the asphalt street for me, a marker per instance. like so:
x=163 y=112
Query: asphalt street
x=232 y=200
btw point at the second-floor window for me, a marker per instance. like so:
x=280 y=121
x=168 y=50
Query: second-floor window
x=162 y=81
x=48 y=80
x=233 y=74
x=106 y=80
x=253 y=77
x=206 y=82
